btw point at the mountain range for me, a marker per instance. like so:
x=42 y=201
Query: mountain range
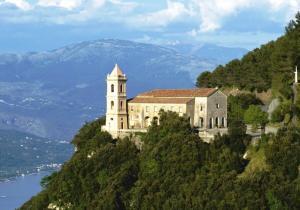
x=214 y=53
x=52 y=93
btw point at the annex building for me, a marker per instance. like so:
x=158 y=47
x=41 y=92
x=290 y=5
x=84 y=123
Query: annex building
x=205 y=107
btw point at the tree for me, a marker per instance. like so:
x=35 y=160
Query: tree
x=255 y=116
x=204 y=79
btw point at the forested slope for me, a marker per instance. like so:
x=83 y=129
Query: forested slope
x=270 y=66
x=174 y=170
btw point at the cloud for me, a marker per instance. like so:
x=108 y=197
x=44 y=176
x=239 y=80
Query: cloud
x=174 y=11
x=20 y=4
x=66 y=4
x=87 y=10
x=211 y=13
x=124 y=6
x=195 y=16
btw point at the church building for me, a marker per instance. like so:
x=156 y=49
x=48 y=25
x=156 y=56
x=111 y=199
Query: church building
x=205 y=107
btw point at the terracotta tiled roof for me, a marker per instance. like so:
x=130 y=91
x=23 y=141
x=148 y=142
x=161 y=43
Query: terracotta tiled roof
x=199 y=92
x=160 y=100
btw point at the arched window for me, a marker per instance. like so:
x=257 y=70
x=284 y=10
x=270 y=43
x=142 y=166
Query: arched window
x=201 y=122
x=223 y=122
x=217 y=122
x=211 y=122
x=112 y=88
x=122 y=123
x=147 y=121
x=121 y=88
x=112 y=104
x=121 y=105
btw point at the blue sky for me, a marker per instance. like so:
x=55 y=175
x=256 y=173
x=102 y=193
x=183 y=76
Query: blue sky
x=34 y=25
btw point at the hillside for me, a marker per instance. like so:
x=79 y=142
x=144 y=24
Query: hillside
x=269 y=67
x=174 y=170
x=23 y=153
x=52 y=93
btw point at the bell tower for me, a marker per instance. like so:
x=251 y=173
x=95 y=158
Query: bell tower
x=116 y=102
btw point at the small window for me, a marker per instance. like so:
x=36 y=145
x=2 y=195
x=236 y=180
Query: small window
x=155 y=109
x=121 y=105
x=201 y=122
x=121 y=88
x=223 y=122
x=201 y=108
x=217 y=106
x=112 y=104
x=112 y=88
x=147 y=109
x=131 y=108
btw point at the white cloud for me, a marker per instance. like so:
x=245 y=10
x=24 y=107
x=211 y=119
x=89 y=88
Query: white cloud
x=66 y=4
x=21 y=4
x=95 y=4
x=203 y=15
x=72 y=4
x=163 y=17
x=84 y=10
x=211 y=12
x=124 y=6
x=290 y=6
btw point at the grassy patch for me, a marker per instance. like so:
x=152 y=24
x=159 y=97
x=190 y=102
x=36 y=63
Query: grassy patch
x=257 y=157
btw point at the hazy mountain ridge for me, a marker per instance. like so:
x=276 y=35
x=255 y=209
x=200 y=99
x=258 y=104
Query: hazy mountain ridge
x=52 y=93
x=213 y=53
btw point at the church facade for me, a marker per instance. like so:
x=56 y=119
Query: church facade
x=205 y=107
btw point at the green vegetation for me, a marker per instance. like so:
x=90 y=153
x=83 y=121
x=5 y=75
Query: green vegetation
x=255 y=116
x=22 y=153
x=176 y=170
x=268 y=67
x=237 y=105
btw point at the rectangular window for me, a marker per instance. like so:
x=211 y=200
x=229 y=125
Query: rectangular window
x=180 y=109
x=147 y=108
x=217 y=106
x=201 y=108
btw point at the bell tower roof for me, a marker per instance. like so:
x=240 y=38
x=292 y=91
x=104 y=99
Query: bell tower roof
x=117 y=71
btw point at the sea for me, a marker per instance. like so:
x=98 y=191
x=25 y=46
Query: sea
x=14 y=192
